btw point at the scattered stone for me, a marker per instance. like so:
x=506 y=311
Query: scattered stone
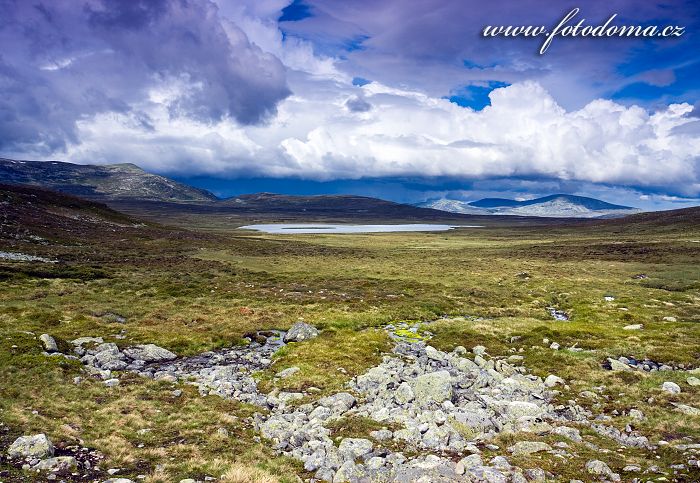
x=37 y=446
x=49 y=343
x=571 y=433
x=685 y=409
x=636 y=414
x=352 y=448
x=111 y=382
x=670 y=319
x=523 y=409
x=434 y=354
x=553 y=380
x=404 y=393
x=149 y=353
x=671 y=387
x=632 y=469
x=693 y=381
x=301 y=331
x=616 y=365
x=381 y=435
x=289 y=372
x=633 y=327
x=57 y=464
x=80 y=341
x=479 y=350
x=598 y=468
x=555 y=346
x=535 y=474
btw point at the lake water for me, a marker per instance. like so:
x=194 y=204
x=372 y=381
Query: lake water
x=291 y=228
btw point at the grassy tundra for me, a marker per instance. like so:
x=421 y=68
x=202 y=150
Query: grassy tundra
x=192 y=291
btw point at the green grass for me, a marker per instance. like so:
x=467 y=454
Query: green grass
x=191 y=295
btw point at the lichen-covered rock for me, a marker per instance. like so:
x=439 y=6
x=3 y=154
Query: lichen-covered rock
x=36 y=446
x=300 y=331
x=404 y=394
x=352 y=448
x=149 y=353
x=433 y=388
x=349 y=471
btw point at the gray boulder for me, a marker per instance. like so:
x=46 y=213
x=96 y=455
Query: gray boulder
x=58 y=464
x=600 y=469
x=301 y=331
x=149 y=353
x=519 y=409
x=433 y=388
x=352 y=448
x=403 y=394
x=616 y=365
x=36 y=446
x=49 y=343
x=671 y=387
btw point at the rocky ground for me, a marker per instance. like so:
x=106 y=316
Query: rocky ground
x=439 y=412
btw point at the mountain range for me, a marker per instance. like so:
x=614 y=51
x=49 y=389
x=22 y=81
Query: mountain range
x=128 y=187
x=552 y=206
x=105 y=182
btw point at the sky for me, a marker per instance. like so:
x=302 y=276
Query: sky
x=405 y=101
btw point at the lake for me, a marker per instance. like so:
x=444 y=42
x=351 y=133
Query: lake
x=291 y=228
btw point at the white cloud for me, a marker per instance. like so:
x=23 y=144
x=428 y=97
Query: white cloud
x=524 y=133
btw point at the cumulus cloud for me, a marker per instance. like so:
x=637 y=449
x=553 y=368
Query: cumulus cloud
x=523 y=134
x=194 y=87
x=67 y=61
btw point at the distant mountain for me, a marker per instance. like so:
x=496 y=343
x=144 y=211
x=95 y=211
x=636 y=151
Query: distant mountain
x=106 y=182
x=495 y=203
x=553 y=206
x=323 y=206
x=454 y=206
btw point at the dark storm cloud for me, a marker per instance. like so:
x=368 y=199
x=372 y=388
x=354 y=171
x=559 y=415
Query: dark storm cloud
x=436 y=45
x=63 y=61
x=357 y=104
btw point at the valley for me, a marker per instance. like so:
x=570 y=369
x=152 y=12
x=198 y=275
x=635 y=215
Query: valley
x=471 y=303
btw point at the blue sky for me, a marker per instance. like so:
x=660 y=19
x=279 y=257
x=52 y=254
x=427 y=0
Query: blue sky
x=400 y=100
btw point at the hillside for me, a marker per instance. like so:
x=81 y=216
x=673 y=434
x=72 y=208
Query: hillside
x=106 y=182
